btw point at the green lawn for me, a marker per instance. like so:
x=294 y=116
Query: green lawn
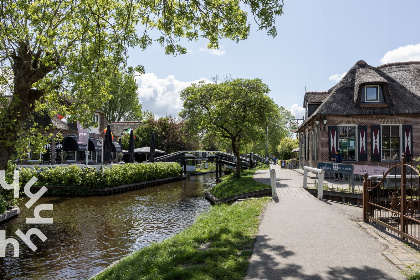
x=231 y=186
x=217 y=246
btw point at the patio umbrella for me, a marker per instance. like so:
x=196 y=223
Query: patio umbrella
x=152 y=148
x=108 y=144
x=131 y=147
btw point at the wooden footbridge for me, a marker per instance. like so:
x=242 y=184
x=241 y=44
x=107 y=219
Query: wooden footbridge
x=220 y=158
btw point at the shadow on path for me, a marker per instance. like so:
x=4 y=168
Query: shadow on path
x=281 y=266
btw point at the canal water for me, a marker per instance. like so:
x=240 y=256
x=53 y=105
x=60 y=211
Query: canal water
x=88 y=234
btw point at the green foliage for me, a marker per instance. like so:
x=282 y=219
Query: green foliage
x=66 y=51
x=108 y=176
x=286 y=146
x=124 y=104
x=231 y=186
x=217 y=246
x=3 y=204
x=237 y=110
x=171 y=135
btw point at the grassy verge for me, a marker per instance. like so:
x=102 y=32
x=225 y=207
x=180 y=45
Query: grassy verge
x=231 y=186
x=217 y=246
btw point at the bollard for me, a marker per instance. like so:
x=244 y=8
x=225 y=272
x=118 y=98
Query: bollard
x=273 y=183
x=321 y=184
x=305 y=178
x=320 y=173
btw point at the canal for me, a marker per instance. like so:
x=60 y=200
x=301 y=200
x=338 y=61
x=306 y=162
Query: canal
x=88 y=234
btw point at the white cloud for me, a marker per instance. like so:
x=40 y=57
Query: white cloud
x=218 y=52
x=337 y=77
x=402 y=54
x=297 y=111
x=161 y=96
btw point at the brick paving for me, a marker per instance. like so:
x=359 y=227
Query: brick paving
x=397 y=252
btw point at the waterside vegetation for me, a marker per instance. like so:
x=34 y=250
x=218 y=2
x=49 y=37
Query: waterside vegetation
x=217 y=246
x=231 y=185
x=90 y=178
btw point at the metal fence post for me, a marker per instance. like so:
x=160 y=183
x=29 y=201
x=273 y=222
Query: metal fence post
x=273 y=183
x=403 y=222
x=366 y=182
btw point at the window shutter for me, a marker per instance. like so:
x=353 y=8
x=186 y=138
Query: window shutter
x=332 y=140
x=376 y=142
x=407 y=139
x=362 y=141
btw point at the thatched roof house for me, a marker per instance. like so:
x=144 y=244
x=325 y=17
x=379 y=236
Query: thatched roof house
x=119 y=128
x=372 y=115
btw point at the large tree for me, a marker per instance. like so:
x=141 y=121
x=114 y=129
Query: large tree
x=170 y=133
x=238 y=110
x=60 y=53
x=277 y=128
x=124 y=104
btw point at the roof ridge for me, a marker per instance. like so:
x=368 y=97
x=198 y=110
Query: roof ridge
x=316 y=92
x=398 y=64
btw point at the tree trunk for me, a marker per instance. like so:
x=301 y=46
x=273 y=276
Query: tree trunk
x=16 y=114
x=235 y=149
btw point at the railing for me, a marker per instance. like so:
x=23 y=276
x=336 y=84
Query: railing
x=395 y=205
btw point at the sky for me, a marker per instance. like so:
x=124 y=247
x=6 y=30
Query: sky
x=318 y=41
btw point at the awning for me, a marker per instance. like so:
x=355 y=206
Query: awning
x=116 y=148
x=145 y=150
x=70 y=144
x=94 y=145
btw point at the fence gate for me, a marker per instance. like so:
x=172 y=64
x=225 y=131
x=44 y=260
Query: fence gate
x=394 y=202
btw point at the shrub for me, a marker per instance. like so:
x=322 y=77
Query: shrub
x=108 y=176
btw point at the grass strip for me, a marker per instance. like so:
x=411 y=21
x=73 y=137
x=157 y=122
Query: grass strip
x=217 y=246
x=231 y=186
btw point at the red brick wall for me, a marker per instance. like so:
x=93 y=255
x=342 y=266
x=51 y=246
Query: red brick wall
x=367 y=120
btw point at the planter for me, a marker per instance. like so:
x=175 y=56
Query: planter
x=344 y=197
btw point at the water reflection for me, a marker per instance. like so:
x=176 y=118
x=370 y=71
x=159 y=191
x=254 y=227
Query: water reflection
x=88 y=234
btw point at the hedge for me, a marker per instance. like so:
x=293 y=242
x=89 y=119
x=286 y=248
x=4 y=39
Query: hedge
x=107 y=176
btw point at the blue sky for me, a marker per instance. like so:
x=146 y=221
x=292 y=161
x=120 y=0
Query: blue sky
x=317 y=42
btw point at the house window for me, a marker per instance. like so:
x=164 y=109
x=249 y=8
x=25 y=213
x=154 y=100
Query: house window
x=391 y=142
x=347 y=142
x=96 y=120
x=372 y=93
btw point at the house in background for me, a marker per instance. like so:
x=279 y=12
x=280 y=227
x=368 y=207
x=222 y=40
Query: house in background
x=372 y=116
x=119 y=128
x=76 y=140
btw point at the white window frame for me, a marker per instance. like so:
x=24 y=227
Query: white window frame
x=96 y=120
x=401 y=140
x=377 y=91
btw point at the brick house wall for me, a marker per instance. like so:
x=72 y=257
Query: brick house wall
x=365 y=120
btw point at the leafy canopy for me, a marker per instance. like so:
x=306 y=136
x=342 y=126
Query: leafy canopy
x=124 y=104
x=56 y=56
x=238 y=110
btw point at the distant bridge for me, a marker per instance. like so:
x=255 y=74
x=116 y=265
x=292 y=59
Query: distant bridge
x=249 y=161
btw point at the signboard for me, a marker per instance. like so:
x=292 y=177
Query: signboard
x=370 y=170
x=294 y=125
x=336 y=167
x=83 y=134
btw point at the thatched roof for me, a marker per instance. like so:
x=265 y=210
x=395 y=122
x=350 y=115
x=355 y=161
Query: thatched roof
x=314 y=97
x=44 y=120
x=118 y=128
x=400 y=83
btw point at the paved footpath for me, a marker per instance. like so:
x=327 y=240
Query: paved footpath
x=301 y=237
